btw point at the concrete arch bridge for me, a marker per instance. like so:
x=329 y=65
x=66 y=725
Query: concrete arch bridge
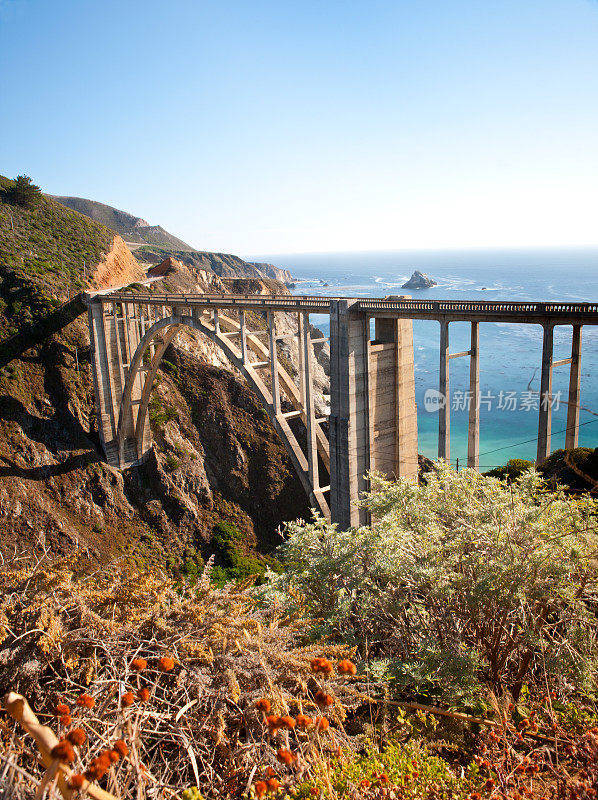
x=372 y=423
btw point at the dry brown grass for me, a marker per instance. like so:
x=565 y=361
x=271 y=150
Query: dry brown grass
x=67 y=633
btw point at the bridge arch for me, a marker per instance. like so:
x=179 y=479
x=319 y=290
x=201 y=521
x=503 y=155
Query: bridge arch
x=133 y=430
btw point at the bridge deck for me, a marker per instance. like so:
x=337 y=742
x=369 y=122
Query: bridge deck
x=451 y=310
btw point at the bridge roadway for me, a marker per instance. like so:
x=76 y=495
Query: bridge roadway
x=373 y=418
x=404 y=308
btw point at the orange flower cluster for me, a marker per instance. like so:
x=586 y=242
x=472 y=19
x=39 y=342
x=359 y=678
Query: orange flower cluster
x=166 y=663
x=143 y=694
x=121 y=748
x=321 y=724
x=76 y=736
x=76 y=781
x=325 y=666
x=303 y=722
x=285 y=756
x=138 y=664
x=127 y=699
x=85 y=701
x=269 y=785
x=275 y=723
x=322 y=665
x=323 y=700
x=263 y=705
x=61 y=710
x=100 y=765
x=63 y=751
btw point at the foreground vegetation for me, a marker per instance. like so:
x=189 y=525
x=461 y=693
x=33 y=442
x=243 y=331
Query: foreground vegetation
x=447 y=651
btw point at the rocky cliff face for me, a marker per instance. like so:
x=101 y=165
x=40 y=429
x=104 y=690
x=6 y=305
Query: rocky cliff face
x=216 y=458
x=117 y=267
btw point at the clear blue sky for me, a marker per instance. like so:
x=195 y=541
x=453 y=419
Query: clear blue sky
x=308 y=125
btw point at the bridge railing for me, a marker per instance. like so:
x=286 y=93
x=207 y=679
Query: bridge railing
x=588 y=312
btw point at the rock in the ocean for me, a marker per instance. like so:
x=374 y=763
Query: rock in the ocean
x=419 y=280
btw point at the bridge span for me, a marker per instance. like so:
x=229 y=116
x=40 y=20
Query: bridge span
x=372 y=424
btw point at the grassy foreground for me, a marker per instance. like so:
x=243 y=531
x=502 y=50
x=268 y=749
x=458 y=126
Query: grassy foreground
x=302 y=689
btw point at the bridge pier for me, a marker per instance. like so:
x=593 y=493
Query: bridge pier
x=572 y=434
x=545 y=411
x=473 y=431
x=444 y=414
x=373 y=417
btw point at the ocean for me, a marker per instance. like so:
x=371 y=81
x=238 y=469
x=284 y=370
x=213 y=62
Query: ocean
x=510 y=355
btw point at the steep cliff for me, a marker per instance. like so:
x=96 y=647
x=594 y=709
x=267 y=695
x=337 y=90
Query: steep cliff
x=217 y=457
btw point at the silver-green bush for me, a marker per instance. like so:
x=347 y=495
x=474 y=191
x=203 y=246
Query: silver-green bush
x=460 y=583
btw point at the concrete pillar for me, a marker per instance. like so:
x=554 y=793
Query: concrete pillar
x=444 y=414
x=310 y=414
x=300 y=326
x=243 y=337
x=349 y=407
x=391 y=389
x=545 y=413
x=473 y=433
x=216 y=322
x=273 y=365
x=572 y=434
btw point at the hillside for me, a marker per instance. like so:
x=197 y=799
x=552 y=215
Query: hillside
x=217 y=459
x=153 y=244
x=222 y=264
x=133 y=229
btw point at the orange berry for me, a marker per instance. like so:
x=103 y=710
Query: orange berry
x=323 y=700
x=138 y=664
x=76 y=781
x=322 y=665
x=273 y=784
x=61 y=710
x=288 y=723
x=66 y=720
x=273 y=722
x=127 y=699
x=63 y=751
x=365 y=783
x=143 y=694
x=76 y=736
x=86 y=701
x=113 y=755
x=489 y=785
x=270 y=773
x=303 y=721
x=263 y=704
x=346 y=667
x=166 y=663
x=285 y=756
x=121 y=748
x=322 y=724
x=260 y=788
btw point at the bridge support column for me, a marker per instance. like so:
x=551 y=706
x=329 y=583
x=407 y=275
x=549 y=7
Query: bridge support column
x=273 y=365
x=349 y=451
x=373 y=419
x=545 y=413
x=444 y=414
x=473 y=433
x=243 y=337
x=572 y=434
x=310 y=415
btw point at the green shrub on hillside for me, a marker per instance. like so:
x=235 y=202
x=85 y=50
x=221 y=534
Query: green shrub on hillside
x=463 y=582
x=237 y=566
x=512 y=469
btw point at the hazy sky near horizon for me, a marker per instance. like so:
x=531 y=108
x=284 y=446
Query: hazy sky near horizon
x=250 y=126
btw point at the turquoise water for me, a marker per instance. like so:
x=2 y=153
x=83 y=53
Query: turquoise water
x=510 y=355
